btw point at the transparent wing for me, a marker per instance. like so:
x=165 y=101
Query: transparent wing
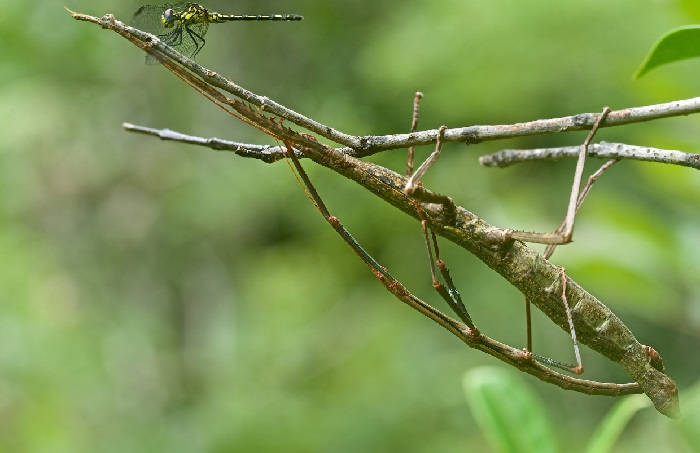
x=187 y=40
x=147 y=18
x=193 y=39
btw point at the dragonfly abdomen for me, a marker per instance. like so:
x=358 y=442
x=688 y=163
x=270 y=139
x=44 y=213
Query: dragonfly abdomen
x=218 y=18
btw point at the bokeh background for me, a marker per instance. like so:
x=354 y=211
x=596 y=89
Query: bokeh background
x=162 y=297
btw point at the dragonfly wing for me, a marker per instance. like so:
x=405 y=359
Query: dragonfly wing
x=193 y=39
x=148 y=19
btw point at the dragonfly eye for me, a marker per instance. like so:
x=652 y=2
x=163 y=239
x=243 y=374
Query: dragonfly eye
x=168 y=18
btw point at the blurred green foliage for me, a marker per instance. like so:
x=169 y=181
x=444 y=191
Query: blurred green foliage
x=161 y=297
x=514 y=420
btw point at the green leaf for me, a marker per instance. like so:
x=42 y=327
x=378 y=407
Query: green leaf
x=678 y=44
x=507 y=412
x=614 y=423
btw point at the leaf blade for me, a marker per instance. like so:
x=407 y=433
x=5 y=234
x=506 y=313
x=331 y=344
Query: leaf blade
x=678 y=44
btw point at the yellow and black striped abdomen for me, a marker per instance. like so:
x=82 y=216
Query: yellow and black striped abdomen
x=218 y=18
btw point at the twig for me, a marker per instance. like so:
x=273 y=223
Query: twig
x=602 y=150
x=265 y=153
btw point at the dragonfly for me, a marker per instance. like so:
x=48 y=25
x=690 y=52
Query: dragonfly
x=183 y=26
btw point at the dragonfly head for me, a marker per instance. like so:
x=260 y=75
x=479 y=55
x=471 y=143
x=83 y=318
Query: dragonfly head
x=168 y=18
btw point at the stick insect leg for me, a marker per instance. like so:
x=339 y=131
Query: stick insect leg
x=415 y=178
x=578 y=369
x=584 y=193
x=414 y=127
x=528 y=324
x=563 y=235
x=461 y=309
x=414 y=189
x=449 y=294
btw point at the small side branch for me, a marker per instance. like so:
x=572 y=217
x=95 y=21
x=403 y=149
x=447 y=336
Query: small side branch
x=602 y=150
x=264 y=153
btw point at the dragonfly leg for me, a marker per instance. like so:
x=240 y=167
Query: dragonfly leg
x=173 y=39
x=198 y=45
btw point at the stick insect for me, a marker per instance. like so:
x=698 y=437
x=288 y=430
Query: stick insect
x=561 y=235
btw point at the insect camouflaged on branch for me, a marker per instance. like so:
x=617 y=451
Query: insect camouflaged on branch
x=598 y=327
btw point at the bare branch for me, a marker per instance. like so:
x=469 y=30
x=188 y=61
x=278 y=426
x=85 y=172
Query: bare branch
x=602 y=150
x=264 y=153
x=582 y=121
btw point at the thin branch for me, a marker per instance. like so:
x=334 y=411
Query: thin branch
x=602 y=150
x=582 y=121
x=265 y=153
x=595 y=324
